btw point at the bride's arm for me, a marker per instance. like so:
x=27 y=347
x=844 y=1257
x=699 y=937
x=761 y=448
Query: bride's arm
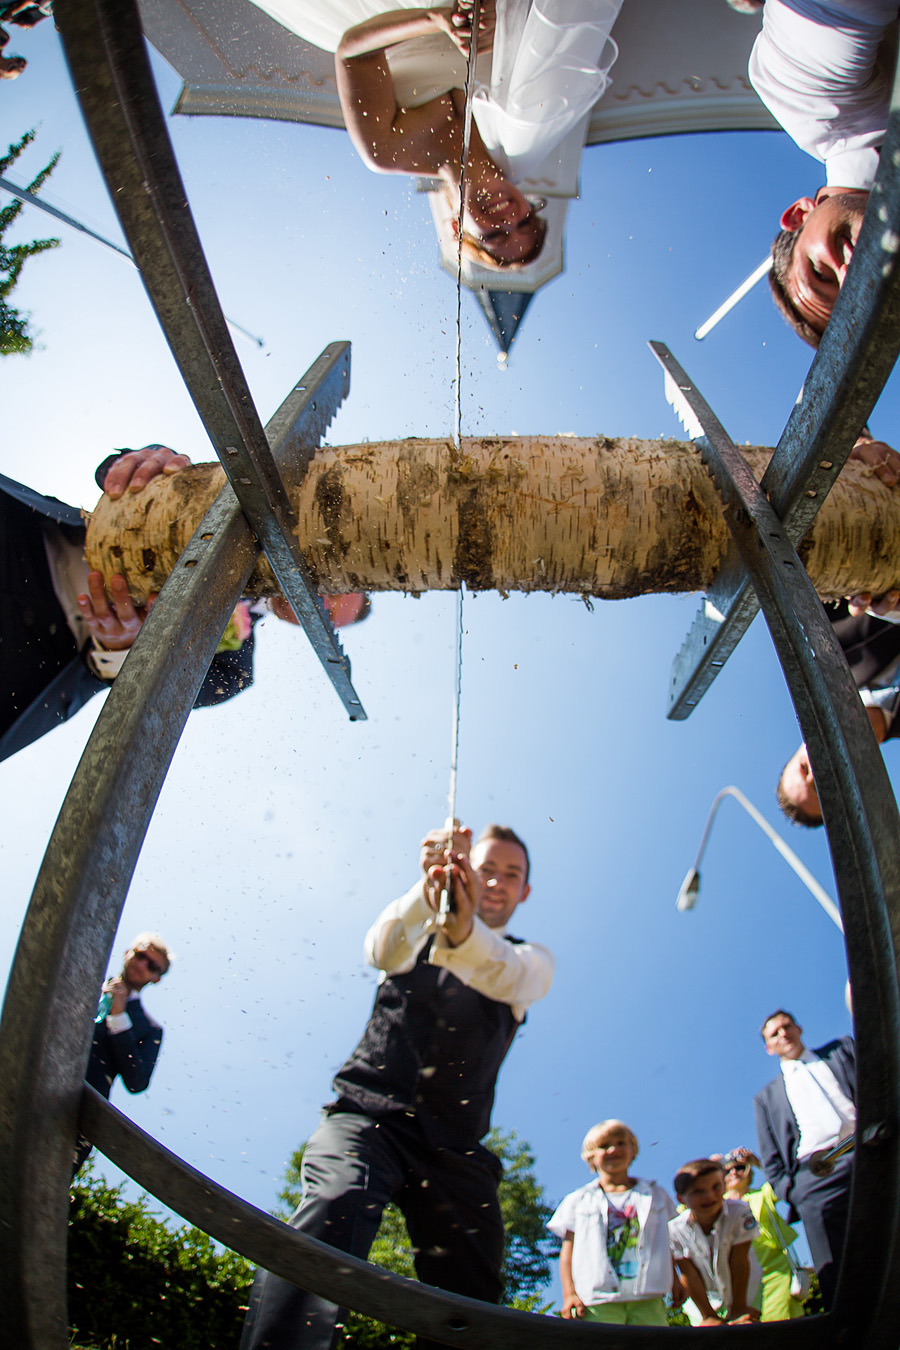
x=397 y=25
x=391 y=139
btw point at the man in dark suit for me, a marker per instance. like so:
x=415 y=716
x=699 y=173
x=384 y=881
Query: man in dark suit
x=126 y=1040
x=808 y=1107
x=62 y=635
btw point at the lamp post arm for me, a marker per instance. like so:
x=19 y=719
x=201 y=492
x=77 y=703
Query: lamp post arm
x=786 y=852
x=704 y=838
x=756 y=275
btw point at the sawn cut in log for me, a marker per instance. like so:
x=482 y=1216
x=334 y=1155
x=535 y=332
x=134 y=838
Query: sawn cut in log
x=597 y=517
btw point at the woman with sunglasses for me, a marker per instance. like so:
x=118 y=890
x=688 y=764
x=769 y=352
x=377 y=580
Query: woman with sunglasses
x=775 y=1299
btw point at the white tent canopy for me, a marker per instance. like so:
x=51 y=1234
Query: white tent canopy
x=682 y=67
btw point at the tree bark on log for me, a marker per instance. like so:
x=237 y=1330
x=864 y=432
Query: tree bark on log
x=597 y=517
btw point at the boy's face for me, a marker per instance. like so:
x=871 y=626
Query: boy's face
x=612 y=1154
x=705 y=1197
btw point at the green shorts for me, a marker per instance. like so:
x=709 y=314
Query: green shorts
x=635 y=1312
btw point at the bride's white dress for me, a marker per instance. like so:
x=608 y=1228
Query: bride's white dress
x=550 y=63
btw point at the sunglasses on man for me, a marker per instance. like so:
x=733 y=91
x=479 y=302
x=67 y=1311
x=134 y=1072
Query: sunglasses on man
x=153 y=966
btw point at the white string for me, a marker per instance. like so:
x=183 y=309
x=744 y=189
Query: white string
x=446 y=896
x=464 y=165
x=457 y=698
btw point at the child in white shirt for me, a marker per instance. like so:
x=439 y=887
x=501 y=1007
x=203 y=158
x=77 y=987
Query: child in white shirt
x=615 y=1263
x=711 y=1243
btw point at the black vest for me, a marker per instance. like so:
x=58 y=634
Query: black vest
x=432 y=1049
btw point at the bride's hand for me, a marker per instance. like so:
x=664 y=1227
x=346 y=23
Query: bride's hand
x=460 y=28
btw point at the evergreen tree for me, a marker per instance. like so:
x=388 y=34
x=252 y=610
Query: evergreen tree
x=15 y=338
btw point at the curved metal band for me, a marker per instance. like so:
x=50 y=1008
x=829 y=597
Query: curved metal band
x=67 y=935
x=69 y=928
x=432 y=1313
x=851 y=367
x=64 y=947
x=105 y=49
x=863 y=826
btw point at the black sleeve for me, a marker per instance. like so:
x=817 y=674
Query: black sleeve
x=849 y=1046
x=134 y=1057
x=773 y=1163
x=229 y=674
x=103 y=469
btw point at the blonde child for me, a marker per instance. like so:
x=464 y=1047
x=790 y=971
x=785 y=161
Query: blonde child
x=615 y=1264
x=711 y=1244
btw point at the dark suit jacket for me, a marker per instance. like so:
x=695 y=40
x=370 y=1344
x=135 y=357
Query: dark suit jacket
x=129 y=1055
x=51 y=689
x=776 y=1124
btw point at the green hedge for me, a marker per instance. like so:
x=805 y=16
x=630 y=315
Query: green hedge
x=135 y=1284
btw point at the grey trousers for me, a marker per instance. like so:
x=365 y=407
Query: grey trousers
x=353 y=1165
x=823 y=1204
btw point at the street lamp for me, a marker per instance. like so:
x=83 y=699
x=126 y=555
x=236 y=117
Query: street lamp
x=690 y=887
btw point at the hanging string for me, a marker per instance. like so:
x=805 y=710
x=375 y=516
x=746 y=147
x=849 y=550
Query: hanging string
x=457 y=698
x=464 y=167
x=447 y=893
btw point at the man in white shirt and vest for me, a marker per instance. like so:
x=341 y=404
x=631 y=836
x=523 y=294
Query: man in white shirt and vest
x=823 y=70
x=810 y=1106
x=414 y=1099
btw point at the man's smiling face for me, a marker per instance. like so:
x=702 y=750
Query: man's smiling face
x=501 y=867
x=829 y=228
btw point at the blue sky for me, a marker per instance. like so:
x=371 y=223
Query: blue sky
x=283 y=828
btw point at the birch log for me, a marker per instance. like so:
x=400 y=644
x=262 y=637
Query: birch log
x=597 y=517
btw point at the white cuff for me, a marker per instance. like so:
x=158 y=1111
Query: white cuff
x=395 y=938
x=106 y=664
x=116 y=1022
x=885 y=699
x=855 y=169
x=466 y=956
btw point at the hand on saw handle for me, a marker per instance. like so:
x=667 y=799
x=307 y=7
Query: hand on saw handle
x=461 y=24
x=452 y=889
x=436 y=842
x=457 y=922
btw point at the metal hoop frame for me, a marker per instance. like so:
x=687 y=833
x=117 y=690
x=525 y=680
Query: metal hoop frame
x=68 y=932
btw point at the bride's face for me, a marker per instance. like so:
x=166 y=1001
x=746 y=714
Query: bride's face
x=502 y=222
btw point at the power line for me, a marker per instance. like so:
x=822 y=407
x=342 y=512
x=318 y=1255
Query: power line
x=31 y=200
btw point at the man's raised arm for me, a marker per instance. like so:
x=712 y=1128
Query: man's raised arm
x=401 y=930
x=477 y=953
